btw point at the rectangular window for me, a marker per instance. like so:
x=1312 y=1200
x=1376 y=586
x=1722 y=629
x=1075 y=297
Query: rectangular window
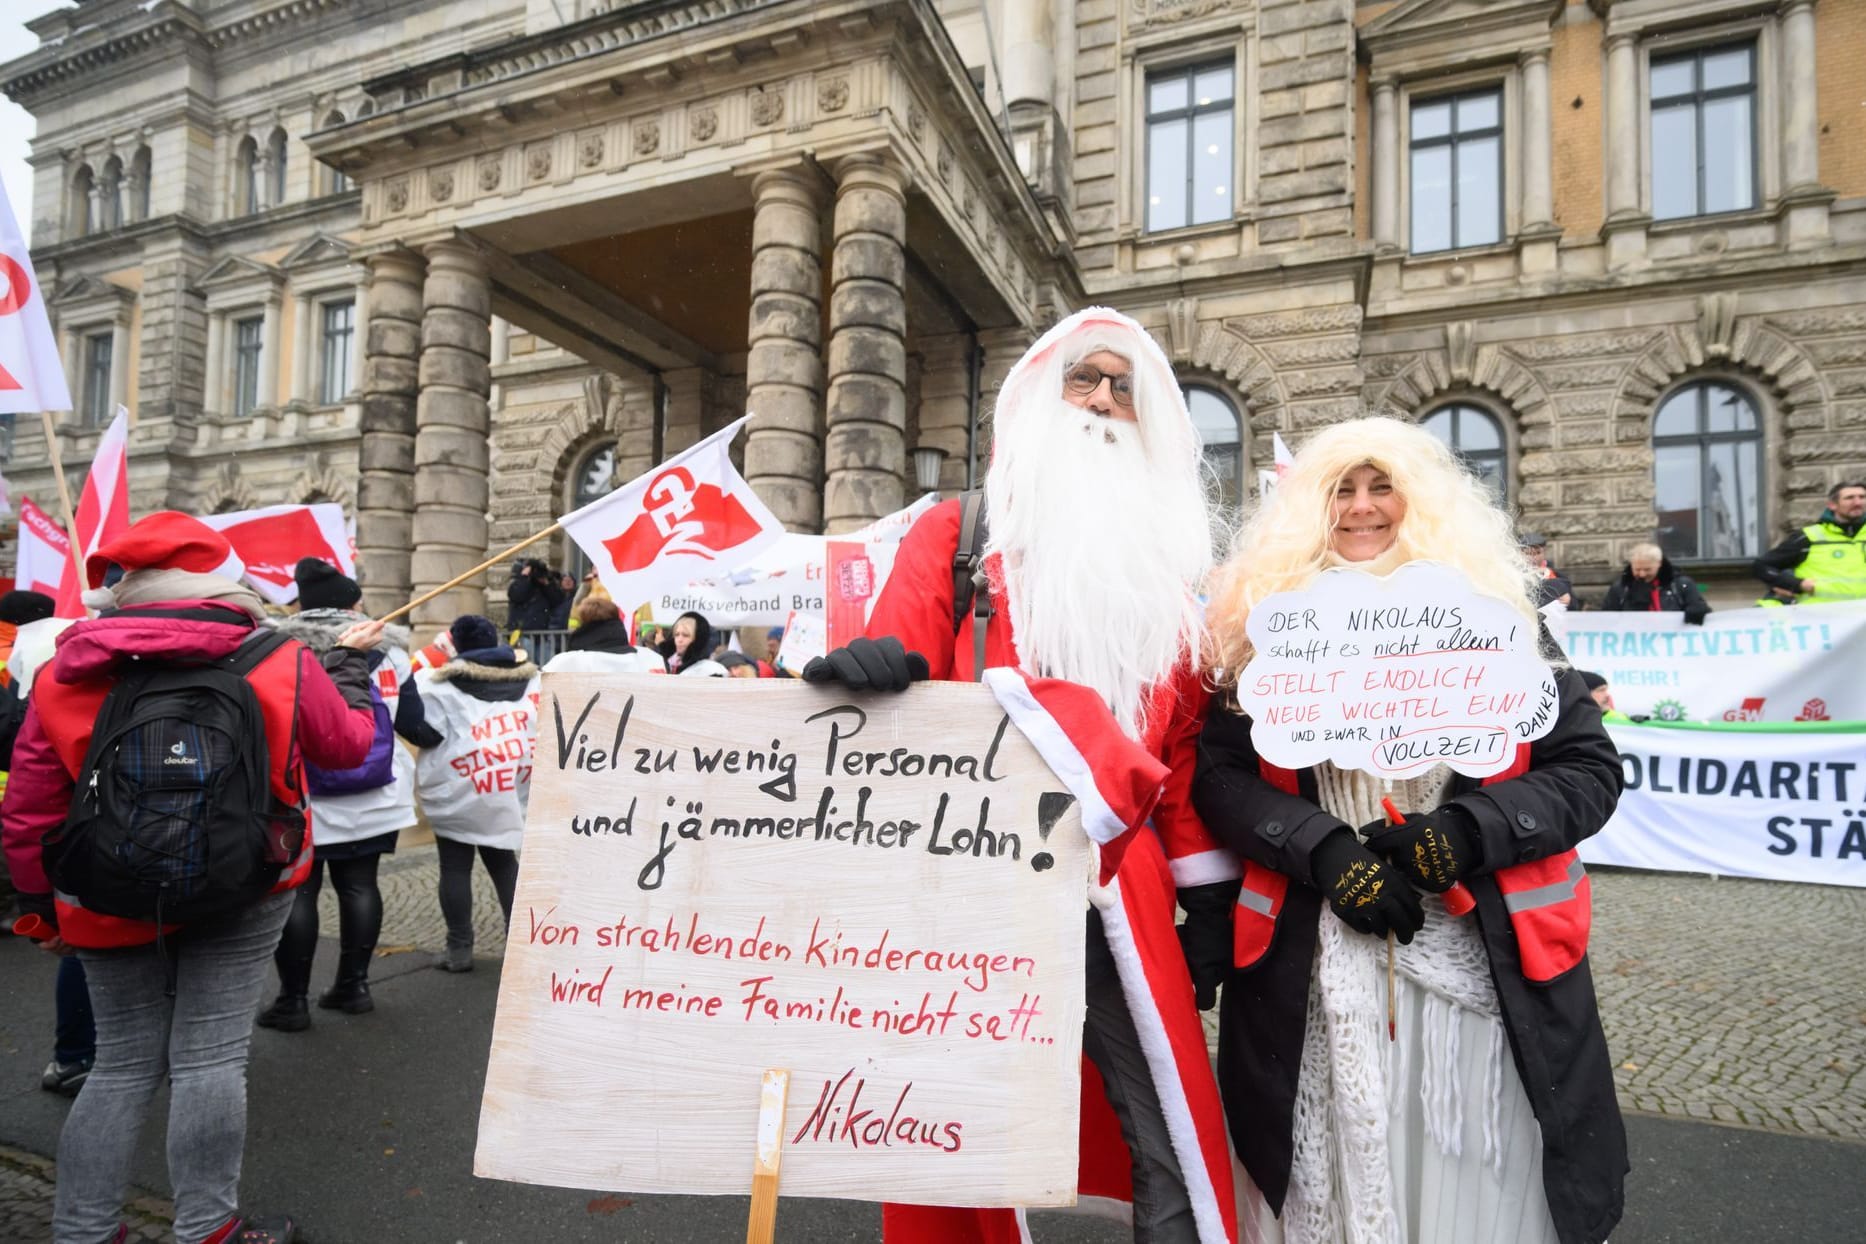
x=339 y=333
x=1457 y=171
x=1189 y=146
x=1704 y=132
x=96 y=389
x=248 y=340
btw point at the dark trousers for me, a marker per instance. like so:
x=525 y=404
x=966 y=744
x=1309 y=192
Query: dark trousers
x=1162 y=1207
x=359 y=920
x=74 y=1038
x=457 y=885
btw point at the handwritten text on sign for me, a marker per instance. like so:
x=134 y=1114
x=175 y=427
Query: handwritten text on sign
x=1394 y=675
x=883 y=895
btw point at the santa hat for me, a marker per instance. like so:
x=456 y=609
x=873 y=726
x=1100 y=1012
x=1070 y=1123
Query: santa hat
x=322 y=586
x=166 y=540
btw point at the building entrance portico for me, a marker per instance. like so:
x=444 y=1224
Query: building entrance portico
x=751 y=212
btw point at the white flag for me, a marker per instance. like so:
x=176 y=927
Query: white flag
x=44 y=551
x=31 y=376
x=680 y=521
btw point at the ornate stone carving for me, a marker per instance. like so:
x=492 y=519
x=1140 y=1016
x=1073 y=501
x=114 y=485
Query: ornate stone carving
x=229 y=491
x=1460 y=349
x=767 y=107
x=969 y=202
x=647 y=138
x=441 y=185
x=1716 y=323
x=1182 y=328
x=320 y=481
x=942 y=164
x=1296 y=323
x=538 y=162
x=1164 y=12
x=832 y=94
x=490 y=172
x=916 y=122
x=1582 y=375
x=397 y=195
x=704 y=124
x=1580 y=346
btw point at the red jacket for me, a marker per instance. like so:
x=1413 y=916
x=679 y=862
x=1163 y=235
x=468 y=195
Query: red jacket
x=333 y=728
x=916 y=608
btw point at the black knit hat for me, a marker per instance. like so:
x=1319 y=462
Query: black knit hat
x=472 y=632
x=1593 y=681
x=20 y=607
x=322 y=586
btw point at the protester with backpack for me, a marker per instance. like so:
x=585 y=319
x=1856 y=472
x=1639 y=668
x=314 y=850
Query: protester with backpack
x=158 y=784
x=360 y=811
x=476 y=782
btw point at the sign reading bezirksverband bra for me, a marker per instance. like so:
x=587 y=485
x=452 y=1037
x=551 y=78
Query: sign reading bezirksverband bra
x=1394 y=674
x=883 y=895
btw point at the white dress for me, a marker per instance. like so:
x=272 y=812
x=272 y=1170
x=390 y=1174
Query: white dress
x=1427 y=1139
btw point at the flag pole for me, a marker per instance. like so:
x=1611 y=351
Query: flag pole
x=458 y=579
x=64 y=495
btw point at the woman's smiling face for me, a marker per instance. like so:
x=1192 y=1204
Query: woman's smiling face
x=1367 y=515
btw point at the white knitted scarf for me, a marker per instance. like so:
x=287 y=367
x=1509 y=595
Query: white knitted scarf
x=1341 y=1185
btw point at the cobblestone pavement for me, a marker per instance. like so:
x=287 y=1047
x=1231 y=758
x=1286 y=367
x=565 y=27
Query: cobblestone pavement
x=1732 y=1001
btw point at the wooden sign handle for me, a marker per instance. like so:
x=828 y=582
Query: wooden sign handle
x=771 y=1098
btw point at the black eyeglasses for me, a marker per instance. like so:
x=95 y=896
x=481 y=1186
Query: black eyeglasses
x=1084 y=378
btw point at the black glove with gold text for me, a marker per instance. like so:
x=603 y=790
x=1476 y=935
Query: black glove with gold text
x=1365 y=891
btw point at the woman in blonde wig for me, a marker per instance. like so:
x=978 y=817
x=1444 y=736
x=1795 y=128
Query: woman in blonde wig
x=1492 y=1115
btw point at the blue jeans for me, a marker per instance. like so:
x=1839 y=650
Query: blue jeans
x=198 y=1040
x=74 y=1039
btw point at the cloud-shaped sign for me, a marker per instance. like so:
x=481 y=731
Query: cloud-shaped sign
x=1394 y=675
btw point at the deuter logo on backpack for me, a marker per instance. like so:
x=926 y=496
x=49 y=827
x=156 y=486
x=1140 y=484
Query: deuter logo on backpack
x=178 y=754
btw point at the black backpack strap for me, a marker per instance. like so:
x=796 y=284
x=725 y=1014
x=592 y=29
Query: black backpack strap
x=255 y=648
x=970 y=593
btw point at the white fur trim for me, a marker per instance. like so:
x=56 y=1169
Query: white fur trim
x=98 y=599
x=1148 y=1023
x=1205 y=867
x=1034 y=722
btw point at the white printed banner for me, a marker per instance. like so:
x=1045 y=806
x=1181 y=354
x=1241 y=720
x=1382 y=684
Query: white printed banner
x=883 y=897
x=44 y=551
x=1800 y=663
x=1785 y=806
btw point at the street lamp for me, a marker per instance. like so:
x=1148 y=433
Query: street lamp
x=927 y=462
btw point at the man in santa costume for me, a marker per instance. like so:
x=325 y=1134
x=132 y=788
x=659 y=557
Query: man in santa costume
x=1098 y=538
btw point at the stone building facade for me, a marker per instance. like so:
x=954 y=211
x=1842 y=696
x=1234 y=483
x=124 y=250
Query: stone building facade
x=459 y=265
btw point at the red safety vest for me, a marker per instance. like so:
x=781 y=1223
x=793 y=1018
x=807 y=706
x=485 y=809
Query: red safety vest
x=1550 y=901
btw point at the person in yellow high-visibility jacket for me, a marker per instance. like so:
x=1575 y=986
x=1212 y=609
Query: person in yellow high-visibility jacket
x=1826 y=560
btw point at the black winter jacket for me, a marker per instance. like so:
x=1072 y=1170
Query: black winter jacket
x=529 y=600
x=1677 y=594
x=1570 y=790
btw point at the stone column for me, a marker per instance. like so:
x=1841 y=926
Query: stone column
x=1801 y=124
x=866 y=446
x=1029 y=53
x=270 y=346
x=1538 y=206
x=1386 y=164
x=303 y=338
x=784 y=371
x=945 y=410
x=213 y=383
x=120 y=367
x=1623 y=144
x=453 y=418
x=686 y=400
x=1002 y=348
x=385 y=491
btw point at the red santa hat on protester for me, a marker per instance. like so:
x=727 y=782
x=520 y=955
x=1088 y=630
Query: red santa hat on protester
x=165 y=540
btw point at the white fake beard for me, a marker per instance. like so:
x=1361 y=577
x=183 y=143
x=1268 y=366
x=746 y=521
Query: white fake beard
x=1102 y=552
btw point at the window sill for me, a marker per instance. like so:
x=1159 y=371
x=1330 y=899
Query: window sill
x=1719 y=220
x=1186 y=233
x=1486 y=251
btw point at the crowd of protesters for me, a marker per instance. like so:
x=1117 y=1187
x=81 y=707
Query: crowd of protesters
x=184 y=716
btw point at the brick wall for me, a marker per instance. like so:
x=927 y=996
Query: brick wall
x=1576 y=73
x=1840 y=52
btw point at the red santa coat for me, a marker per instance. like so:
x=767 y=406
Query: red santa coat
x=1120 y=784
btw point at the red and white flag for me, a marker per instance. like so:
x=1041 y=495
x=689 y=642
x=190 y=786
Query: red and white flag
x=690 y=517
x=270 y=541
x=44 y=551
x=31 y=376
x=103 y=508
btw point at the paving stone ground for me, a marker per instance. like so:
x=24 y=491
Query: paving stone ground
x=1731 y=1001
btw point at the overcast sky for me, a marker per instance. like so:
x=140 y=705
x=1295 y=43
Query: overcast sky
x=16 y=124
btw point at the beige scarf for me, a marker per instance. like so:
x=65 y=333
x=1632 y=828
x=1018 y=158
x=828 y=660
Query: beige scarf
x=152 y=587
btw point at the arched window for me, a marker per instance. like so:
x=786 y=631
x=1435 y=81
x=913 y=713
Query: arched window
x=275 y=157
x=79 y=209
x=1707 y=472
x=336 y=181
x=110 y=195
x=141 y=165
x=1221 y=442
x=246 y=177
x=594 y=477
x=1476 y=436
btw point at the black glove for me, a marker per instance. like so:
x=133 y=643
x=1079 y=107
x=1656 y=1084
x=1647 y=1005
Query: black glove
x=1364 y=889
x=1205 y=938
x=1433 y=850
x=869 y=665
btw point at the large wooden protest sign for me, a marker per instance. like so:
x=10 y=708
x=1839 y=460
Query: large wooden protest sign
x=881 y=894
x=1394 y=674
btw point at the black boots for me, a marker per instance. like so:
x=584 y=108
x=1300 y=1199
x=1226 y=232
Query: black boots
x=288 y=1014
x=351 y=992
